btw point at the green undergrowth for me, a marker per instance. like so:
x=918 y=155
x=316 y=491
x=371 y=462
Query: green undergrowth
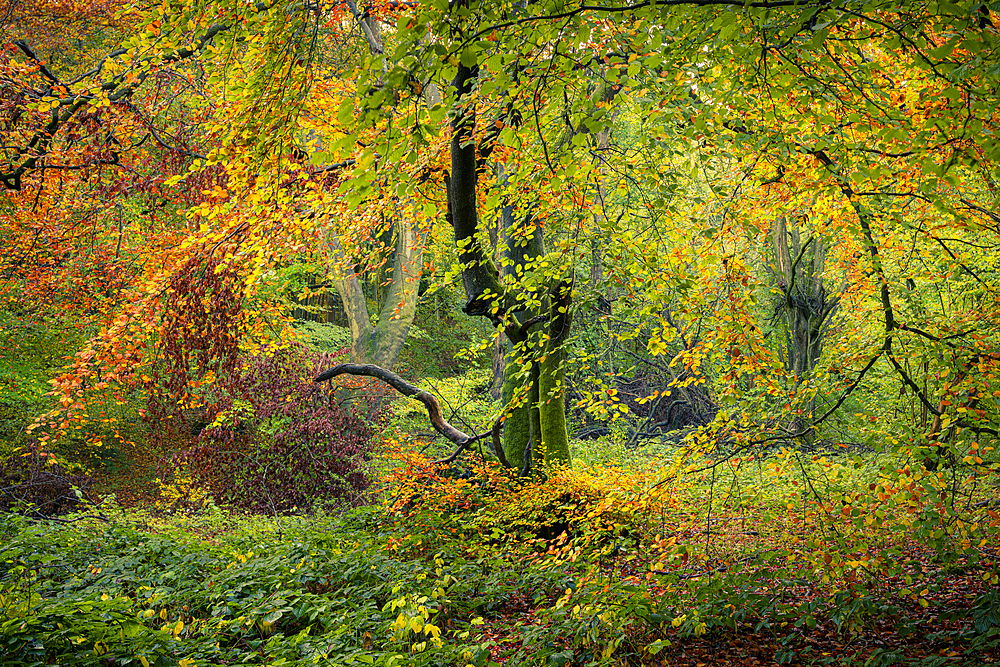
x=465 y=402
x=347 y=590
x=578 y=568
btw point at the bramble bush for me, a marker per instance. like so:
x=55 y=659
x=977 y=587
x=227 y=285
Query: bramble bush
x=281 y=443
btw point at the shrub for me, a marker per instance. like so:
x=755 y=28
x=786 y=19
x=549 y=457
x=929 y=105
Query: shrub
x=40 y=484
x=481 y=502
x=283 y=444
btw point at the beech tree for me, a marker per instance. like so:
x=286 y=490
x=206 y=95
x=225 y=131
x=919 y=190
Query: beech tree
x=872 y=124
x=381 y=343
x=862 y=106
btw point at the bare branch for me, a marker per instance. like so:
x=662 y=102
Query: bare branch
x=441 y=425
x=430 y=401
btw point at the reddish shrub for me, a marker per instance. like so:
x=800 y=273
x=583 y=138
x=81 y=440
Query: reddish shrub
x=282 y=443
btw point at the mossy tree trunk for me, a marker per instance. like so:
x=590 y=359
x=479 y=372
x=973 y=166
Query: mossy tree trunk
x=523 y=245
x=535 y=321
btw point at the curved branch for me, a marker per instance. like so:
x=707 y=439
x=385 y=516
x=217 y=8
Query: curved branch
x=441 y=425
x=430 y=401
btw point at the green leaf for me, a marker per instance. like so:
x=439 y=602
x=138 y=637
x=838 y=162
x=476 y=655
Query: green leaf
x=345 y=113
x=469 y=58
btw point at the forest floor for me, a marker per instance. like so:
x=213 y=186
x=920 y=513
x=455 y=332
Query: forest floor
x=499 y=579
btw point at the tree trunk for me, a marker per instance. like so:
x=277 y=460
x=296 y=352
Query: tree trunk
x=355 y=306
x=533 y=389
x=552 y=375
x=381 y=344
x=806 y=308
x=479 y=275
x=401 y=303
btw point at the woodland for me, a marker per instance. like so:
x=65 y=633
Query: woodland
x=499 y=332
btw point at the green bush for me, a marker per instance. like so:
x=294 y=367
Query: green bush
x=81 y=593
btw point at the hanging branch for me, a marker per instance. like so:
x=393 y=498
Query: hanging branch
x=118 y=88
x=441 y=425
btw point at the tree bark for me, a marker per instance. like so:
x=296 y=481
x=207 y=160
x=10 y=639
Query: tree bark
x=552 y=375
x=529 y=428
x=806 y=306
x=355 y=306
x=479 y=275
x=523 y=245
x=401 y=303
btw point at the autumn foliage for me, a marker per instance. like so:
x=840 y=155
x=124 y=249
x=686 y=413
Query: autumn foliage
x=748 y=249
x=277 y=442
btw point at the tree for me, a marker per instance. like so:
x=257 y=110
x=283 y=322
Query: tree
x=881 y=115
x=58 y=127
x=85 y=153
x=743 y=78
x=380 y=344
x=536 y=320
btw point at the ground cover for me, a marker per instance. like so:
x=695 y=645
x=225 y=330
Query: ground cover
x=595 y=565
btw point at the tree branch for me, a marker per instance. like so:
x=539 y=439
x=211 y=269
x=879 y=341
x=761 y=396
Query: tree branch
x=41 y=141
x=406 y=389
x=21 y=44
x=441 y=425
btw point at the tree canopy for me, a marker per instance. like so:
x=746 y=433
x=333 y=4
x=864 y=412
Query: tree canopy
x=656 y=146
x=788 y=208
